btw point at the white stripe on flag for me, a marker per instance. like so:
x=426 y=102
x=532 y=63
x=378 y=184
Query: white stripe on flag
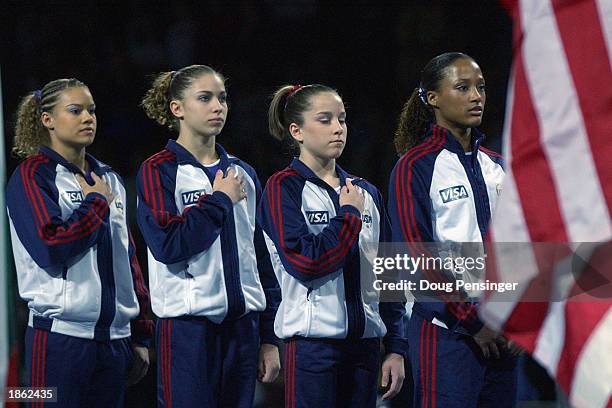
x=604 y=8
x=551 y=338
x=587 y=388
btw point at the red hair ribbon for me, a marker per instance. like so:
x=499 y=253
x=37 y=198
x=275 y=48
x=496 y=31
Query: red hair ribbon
x=294 y=89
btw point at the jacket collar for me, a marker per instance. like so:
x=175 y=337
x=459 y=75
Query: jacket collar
x=183 y=156
x=451 y=142
x=309 y=175
x=94 y=164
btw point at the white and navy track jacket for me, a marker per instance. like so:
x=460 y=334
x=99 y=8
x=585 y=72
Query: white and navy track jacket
x=439 y=193
x=75 y=259
x=316 y=246
x=207 y=256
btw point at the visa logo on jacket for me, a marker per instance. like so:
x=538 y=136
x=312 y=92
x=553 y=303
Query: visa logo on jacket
x=191 y=197
x=317 y=217
x=453 y=193
x=74 y=196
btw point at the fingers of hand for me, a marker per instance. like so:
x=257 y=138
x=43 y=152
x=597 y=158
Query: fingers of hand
x=261 y=371
x=267 y=377
x=385 y=376
x=514 y=348
x=394 y=388
x=494 y=349
x=82 y=182
x=485 y=350
x=274 y=373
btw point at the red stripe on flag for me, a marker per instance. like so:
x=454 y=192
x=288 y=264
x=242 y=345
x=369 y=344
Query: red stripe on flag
x=587 y=57
x=539 y=200
x=581 y=318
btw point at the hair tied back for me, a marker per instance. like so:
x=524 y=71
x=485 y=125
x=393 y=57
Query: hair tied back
x=422 y=94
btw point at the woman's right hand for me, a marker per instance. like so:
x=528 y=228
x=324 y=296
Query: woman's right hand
x=100 y=186
x=351 y=195
x=231 y=185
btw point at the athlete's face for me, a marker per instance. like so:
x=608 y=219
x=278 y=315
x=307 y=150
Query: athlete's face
x=460 y=98
x=72 y=121
x=323 y=131
x=203 y=109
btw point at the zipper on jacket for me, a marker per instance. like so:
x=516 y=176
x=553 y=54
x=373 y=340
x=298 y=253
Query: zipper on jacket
x=189 y=290
x=308 y=311
x=482 y=210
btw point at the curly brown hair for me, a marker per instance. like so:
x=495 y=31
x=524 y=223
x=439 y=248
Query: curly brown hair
x=30 y=134
x=168 y=86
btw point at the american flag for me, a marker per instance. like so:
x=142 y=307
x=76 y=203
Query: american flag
x=558 y=188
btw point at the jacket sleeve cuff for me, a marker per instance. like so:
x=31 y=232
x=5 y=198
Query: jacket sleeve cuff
x=469 y=326
x=101 y=211
x=398 y=346
x=221 y=199
x=347 y=208
x=266 y=332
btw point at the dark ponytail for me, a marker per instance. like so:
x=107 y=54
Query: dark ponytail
x=412 y=123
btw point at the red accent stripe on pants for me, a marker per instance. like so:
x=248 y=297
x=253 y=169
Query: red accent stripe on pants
x=290 y=374
x=39 y=357
x=166 y=359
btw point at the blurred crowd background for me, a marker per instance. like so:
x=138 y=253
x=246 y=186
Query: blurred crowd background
x=371 y=51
